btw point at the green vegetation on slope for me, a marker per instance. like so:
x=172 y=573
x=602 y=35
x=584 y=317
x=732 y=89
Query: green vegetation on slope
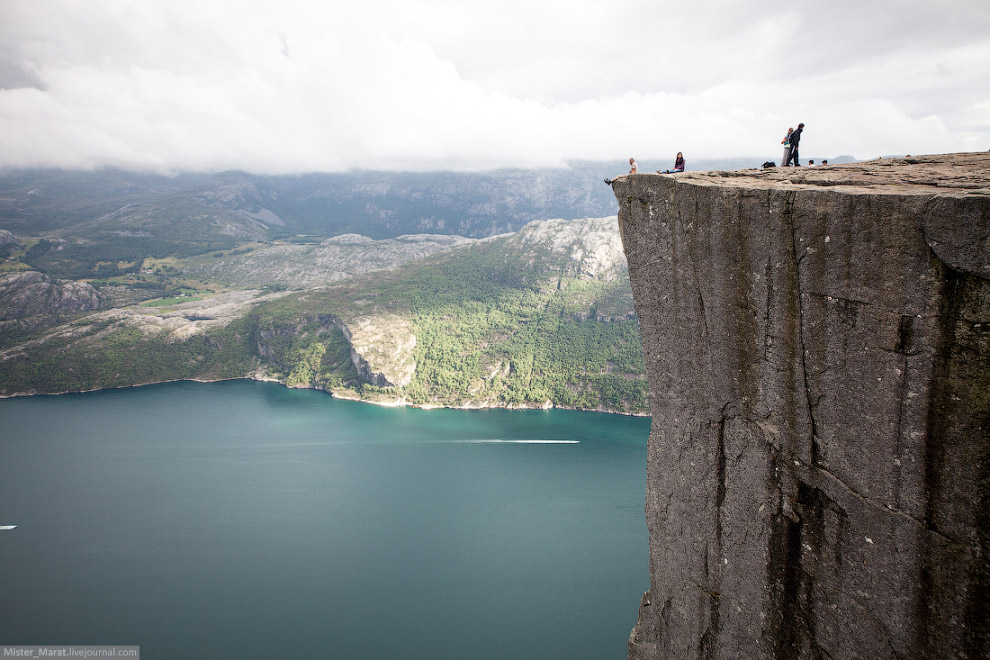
x=120 y=356
x=496 y=323
x=490 y=330
x=110 y=256
x=309 y=354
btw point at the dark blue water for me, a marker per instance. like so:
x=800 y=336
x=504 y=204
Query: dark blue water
x=246 y=520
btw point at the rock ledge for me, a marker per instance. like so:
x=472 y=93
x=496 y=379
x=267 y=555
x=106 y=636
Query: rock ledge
x=818 y=351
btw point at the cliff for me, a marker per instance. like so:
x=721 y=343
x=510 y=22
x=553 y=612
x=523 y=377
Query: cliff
x=818 y=353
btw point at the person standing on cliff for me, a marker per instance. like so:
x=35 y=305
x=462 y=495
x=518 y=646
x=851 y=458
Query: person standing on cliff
x=787 y=148
x=795 y=140
x=633 y=169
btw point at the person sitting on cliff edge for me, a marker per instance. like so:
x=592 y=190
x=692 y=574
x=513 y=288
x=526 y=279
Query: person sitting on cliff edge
x=678 y=165
x=633 y=169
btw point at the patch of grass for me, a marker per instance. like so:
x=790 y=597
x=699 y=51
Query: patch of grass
x=13 y=266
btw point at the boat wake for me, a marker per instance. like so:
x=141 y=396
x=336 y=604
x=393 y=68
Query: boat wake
x=519 y=442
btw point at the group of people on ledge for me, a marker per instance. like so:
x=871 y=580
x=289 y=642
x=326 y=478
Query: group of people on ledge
x=791 y=142
x=634 y=168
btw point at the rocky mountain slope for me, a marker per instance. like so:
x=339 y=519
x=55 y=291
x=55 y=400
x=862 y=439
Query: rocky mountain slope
x=8 y=240
x=30 y=300
x=240 y=206
x=302 y=266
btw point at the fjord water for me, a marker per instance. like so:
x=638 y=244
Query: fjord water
x=247 y=520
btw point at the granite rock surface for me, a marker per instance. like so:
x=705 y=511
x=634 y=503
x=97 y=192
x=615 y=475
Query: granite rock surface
x=818 y=352
x=30 y=293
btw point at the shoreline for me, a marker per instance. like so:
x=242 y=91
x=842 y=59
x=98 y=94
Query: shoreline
x=392 y=403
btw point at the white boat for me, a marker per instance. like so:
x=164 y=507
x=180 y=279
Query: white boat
x=2 y=527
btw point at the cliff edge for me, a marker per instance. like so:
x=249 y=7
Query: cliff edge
x=818 y=353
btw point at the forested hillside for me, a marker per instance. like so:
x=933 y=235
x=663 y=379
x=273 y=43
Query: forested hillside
x=537 y=318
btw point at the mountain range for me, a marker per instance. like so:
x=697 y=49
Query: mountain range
x=536 y=318
x=437 y=288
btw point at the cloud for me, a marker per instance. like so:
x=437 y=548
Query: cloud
x=434 y=84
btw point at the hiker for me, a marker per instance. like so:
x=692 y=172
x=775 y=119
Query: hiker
x=678 y=165
x=824 y=162
x=811 y=163
x=795 y=141
x=633 y=169
x=787 y=147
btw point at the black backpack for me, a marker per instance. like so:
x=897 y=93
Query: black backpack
x=767 y=165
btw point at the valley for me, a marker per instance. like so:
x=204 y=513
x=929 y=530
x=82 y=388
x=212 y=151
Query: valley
x=540 y=316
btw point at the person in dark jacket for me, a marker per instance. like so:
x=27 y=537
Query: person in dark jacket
x=678 y=165
x=795 y=139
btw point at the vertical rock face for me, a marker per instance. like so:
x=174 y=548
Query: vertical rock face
x=818 y=352
x=382 y=349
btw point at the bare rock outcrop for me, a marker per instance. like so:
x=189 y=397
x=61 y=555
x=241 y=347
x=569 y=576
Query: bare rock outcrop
x=590 y=248
x=179 y=322
x=334 y=259
x=382 y=349
x=29 y=293
x=818 y=352
x=382 y=346
x=8 y=239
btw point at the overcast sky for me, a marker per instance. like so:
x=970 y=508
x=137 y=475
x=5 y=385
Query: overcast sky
x=295 y=85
